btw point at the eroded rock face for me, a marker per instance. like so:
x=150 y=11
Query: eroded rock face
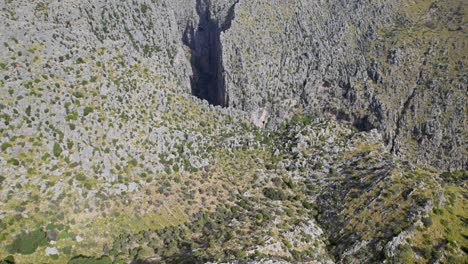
x=389 y=65
x=103 y=143
x=394 y=65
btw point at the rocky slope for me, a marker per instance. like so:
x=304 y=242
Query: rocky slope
x=398 y=66
x=107 y=157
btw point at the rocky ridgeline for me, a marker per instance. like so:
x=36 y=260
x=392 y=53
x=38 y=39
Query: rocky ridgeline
x=107 y=157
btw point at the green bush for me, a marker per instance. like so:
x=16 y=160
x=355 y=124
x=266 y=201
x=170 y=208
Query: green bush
x=307 y=205
x=88 y=110
x=67 y=250
x=274 y=194
x=41 y=7
x=13 y=161
x=63 y=235
x=8 y=260
x=314 y=212
x=144 y=8
x=80 y=177
x=289 y=183
x=133 y=162
x=438 y=211
x=301 y=120
x=427 y=221
x=72 y=116
x=318 y=166
x=259 y=216
x=78 y=94
x=6 y=118
x=240 y=254
x=57 y=150
x=90 y=260
x=444 y=222
x=27 y=243
x=5 y=146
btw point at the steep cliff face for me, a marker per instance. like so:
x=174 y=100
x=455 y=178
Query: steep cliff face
x=204 y=42
x=397 y=66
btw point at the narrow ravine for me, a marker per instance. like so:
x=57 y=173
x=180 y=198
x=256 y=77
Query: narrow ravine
x=204 y=41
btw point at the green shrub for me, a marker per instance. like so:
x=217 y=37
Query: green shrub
x=63 y=235
x=41 y=7
x=438 y=211
x=444 y=222
x=301 y=120
x=296 y=255
x=314 y=212
x=14 y=162
x=259 y=216
x=67 y=250
x=88 y=110
x=456 y=260
x=57 y=150
x=307 y=205
x=8 y=260
x=78 y=94
x=72 y=116
x=274 y=194
x=427 y=221
x=144 y=8
x=289 y=183
x=289 y=212
x=90 y=260
x=28 y=110
x=27 y=243
x=240 y=254
x=6 y=118
x=6 y=145
x=318 y=166
x=69 y=144
x=80 y=177
x=133 y=162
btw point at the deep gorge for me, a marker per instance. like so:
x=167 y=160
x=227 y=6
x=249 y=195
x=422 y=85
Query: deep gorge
x=204 y=41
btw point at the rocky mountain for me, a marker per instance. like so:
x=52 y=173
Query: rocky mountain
x=398 y=66
x=232 y=131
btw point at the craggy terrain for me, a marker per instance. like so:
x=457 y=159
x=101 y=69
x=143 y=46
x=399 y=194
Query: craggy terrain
x=233 y=131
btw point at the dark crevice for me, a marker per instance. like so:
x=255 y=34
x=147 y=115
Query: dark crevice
x=204 y=41
x=363 y=123
x=231 y=14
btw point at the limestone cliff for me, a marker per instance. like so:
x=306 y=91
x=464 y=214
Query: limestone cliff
x=398 y=66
